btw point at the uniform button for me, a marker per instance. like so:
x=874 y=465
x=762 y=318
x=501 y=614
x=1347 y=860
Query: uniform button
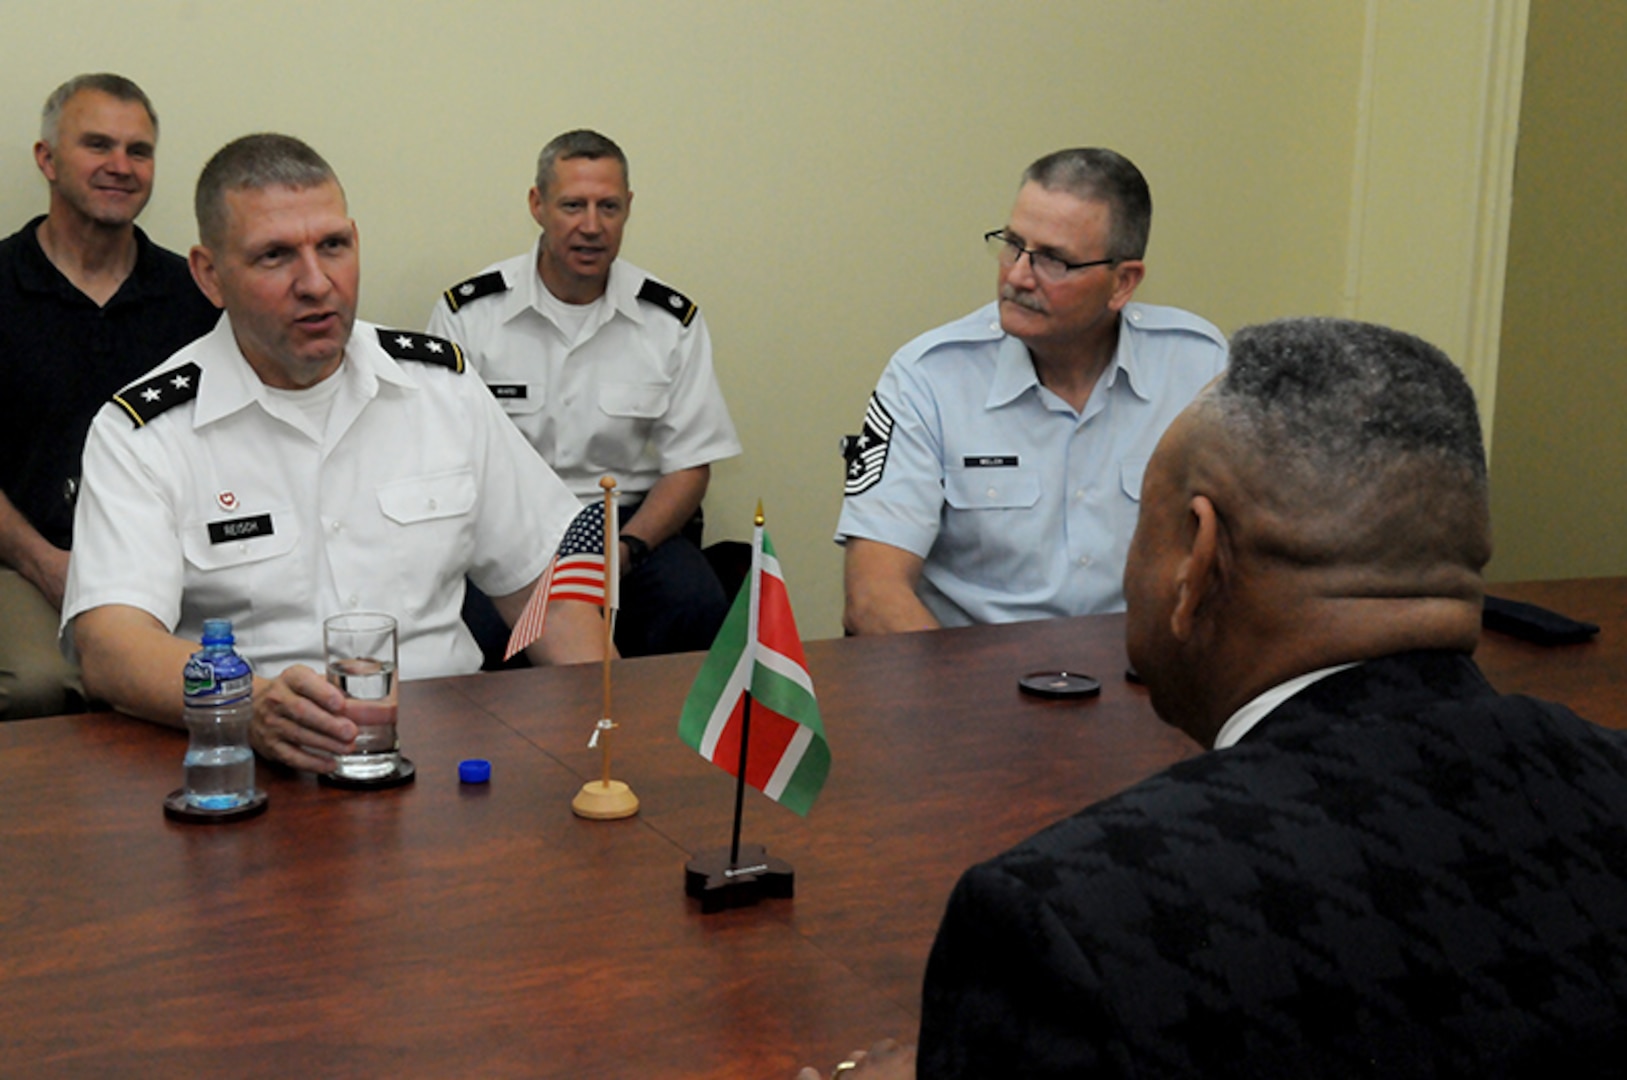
x=1084 y=560
x=993 y=492
x=353 y=600
x=434 y=505
x=1135 y=315
x=1079 y=496
x=338 y=526
x=243 y=548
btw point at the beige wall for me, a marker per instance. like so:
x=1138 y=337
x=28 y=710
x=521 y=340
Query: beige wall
x=816 y=174
x=1559 y=476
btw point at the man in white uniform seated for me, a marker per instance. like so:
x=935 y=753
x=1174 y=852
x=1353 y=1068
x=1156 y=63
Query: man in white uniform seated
x=607 y=371
x=295 y=463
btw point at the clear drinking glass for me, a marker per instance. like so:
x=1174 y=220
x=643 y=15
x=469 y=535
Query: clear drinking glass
x=361 y=656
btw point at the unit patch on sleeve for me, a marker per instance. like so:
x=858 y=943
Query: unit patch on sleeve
x=867 y=454
x=407 y=345
x=473 y=289
x=671 y=301
x=150 y=397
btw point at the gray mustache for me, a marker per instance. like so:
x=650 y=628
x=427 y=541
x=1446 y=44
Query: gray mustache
x=1022 y=299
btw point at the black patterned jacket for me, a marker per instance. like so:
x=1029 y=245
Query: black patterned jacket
x=1396 y=873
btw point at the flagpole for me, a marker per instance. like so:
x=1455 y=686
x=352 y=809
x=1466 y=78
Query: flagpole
x=740 y=780
x=612 y=537
x=754 y=613
x=607 y=799
x=749 y=872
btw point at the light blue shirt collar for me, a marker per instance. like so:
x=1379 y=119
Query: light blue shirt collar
x=1014 y=372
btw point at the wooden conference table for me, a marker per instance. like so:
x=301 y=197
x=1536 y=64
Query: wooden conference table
x=444 y=930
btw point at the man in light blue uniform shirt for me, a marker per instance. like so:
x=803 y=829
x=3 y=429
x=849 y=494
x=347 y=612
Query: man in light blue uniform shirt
x=998 y=475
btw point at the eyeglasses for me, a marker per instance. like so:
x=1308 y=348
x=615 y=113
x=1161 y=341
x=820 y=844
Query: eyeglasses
x=1048 y=268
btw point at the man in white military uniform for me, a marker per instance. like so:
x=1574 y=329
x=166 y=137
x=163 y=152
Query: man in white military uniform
x=998 y=475
x=295 y=463
x=607 y=372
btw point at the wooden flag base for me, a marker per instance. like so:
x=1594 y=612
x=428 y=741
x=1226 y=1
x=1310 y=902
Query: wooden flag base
x=710 y=878
x=605 y=800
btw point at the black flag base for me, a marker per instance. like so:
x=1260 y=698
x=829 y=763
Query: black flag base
x=719 y=884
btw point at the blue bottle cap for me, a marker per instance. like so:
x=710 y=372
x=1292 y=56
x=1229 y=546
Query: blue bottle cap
x=474 y=771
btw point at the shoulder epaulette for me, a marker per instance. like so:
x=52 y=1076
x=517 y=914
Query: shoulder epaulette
x=1160 y=317
x=670 y=300
x=150 y=397
x=408 y=345
x=476 y=287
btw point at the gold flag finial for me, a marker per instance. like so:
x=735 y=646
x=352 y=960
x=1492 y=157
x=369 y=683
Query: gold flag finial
x=759 y=513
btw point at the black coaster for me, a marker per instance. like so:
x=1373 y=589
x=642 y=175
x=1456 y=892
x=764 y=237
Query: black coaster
x=718 y=886
x=403 y=773
x=176 y=808
x=1059 y=684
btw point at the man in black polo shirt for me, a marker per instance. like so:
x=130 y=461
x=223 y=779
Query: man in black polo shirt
x=87 y=305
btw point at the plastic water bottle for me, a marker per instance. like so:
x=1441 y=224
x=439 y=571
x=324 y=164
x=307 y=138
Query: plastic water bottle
x=219 y=706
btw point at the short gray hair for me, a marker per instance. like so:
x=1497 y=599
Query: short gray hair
x=1100 y=175
x=581 y=143
x=1373 y=430
x=253 y=163
x=116 y=86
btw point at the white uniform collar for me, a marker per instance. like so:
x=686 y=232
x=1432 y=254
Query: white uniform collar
x=621 y=291
x=230 y=384
x=1243 y=720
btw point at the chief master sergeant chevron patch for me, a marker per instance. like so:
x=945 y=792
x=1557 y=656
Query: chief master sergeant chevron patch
x=867 y=454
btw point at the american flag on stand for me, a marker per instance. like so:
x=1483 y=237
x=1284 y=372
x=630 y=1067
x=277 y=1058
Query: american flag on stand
x=576 y=572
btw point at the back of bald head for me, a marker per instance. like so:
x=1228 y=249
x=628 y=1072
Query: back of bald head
x=1357 y=452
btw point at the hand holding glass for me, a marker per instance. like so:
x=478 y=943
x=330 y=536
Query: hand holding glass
x=361 y=661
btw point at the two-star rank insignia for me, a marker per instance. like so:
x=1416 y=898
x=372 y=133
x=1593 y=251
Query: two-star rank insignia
x=407 y=345
x=149 y=397
x=669 y=300
x=474 y=289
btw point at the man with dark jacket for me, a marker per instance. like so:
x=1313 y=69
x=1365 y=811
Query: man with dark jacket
x=1381 y=867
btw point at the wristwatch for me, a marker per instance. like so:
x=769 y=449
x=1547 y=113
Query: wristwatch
x=637 y=551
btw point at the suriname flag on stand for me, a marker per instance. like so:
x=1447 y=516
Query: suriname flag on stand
x=758 y=650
